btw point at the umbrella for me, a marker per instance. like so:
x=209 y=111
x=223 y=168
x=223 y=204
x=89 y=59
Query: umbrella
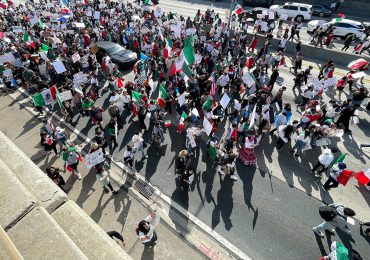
x=357 y=64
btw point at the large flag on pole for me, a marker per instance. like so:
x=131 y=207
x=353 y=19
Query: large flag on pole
x=188 y=50
x=237 y=8
x=168 y=48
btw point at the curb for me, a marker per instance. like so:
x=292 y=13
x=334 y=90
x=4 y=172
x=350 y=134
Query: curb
x=220 y=249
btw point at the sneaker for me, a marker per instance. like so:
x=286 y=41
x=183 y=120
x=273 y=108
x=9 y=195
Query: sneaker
x=221 y=172
x=320 y=234
x=233 y=177
x=144 y=157
x=79 y=176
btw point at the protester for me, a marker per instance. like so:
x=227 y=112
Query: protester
x=335 y=216
x=54 y=174
x=145 y=230
x=102 y=177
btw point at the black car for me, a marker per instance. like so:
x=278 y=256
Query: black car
x=259 y=3
x=321 y=10
x=125 y=59
x=255 y=11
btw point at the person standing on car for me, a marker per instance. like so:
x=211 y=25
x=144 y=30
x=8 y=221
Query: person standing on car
x=335 y=216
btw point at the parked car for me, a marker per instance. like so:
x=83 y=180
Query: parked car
x=258 y=3
x=252 y=14
x=297 y=11
x=321 y=10
x=341 y=28
x=125 y=59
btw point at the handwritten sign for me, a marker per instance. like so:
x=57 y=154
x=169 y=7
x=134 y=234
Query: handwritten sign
x=59 y=66
x=76 y=57
x=94 y=158
x=66 y=95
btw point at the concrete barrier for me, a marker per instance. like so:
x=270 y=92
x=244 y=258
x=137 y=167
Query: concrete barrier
x=95 y=243
x=312 y=52
x=38 y=236
x=39 y=218
x=35 y=181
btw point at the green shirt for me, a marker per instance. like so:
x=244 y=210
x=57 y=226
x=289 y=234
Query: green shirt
x=87 y=105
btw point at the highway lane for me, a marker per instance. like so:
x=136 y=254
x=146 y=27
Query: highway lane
x=190 y=8
x=260 y=208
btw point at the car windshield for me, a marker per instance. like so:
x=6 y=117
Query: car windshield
x=115 y=49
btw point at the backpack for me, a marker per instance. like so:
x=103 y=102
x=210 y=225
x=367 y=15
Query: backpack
x=327 y=212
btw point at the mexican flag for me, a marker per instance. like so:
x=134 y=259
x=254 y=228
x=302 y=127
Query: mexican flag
x=168 y=48
x=163 y=96
x=338 y=252
x=344 y=177
x=363 y=177
x=181 y=123
x=167 y=123
x=45 y=97
x=136 y=96
x=188 y=50
x=119 y=83
x=208 y=104
x=25 y=36
x=187 y=71
x=237 y=8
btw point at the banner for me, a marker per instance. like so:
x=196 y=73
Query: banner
x=94 y=158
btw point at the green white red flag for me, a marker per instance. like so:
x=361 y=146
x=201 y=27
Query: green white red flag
x=237 y=8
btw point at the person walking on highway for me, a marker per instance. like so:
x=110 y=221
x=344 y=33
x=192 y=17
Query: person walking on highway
x=324 y=161
x=335 y=216
x=138 y=144
x=72 y=157
x=146 y=229
x=102 y=177
x=54 y=174
x=348 y=41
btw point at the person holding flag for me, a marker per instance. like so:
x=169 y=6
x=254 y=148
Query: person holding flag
x=72 y=157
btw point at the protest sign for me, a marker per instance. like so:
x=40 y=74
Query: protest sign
x=34 y=20
x=79 y=78
x=43 y=56
x=94 y=158
x=330 y=82
x=80 y=25
x=144 y=30
x=248 y=79
x=7 y=57
x=198 y=58
x=56 y=40
x=59 y=66
x=358 y=75
x=66 y=95
x=17 y=29
x=8 y=74
x=181 y=99
x=96 y=15
x=76 y=57
x=224 y=101
x=214 y=52
x=207 y=126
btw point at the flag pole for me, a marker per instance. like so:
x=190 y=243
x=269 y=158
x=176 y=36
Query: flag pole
x=231 y=11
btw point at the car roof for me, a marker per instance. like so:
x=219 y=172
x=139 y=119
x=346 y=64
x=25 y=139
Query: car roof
x=106 y=44
x=298 y=4
x=347 y=21
x=259 y=8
